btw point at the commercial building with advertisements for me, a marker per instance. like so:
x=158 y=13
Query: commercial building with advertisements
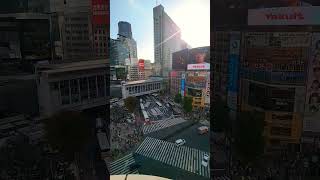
x=191 y=76
x=197 y=84
x=272 y=71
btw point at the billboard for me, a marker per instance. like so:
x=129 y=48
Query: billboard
x=312 y=104
x=183 y=79
x=199 y=55
x=180 y=60
x=284 y=16
x=195 y=92
x=234 y=61
x=141 y=64
x=196 y=81
x=204 y=66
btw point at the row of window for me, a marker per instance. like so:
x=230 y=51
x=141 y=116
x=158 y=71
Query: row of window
x=143 y=88
x=82 y=89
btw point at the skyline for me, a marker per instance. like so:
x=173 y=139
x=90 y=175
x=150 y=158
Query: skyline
x=142 y=31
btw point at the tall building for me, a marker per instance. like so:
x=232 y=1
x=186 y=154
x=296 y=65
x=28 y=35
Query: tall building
x=131 y=45
x=147 y=69
x=124 y=29
x=100 y=27
x=167 y=39
x=133 y=72
x=118 y=52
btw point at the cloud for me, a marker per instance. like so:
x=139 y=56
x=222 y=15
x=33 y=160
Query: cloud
x=131 y=2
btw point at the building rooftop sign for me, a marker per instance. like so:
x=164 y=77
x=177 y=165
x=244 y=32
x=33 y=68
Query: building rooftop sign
x=284 y=16
x=202 y=66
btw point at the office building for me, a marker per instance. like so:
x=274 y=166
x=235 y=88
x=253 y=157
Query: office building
x=167 y=39
x=100 y=27
x=118 y=52
x=133 y=72
x=124 y=29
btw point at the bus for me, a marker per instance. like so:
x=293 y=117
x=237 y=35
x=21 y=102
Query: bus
x=159 y=104
x=145 y=115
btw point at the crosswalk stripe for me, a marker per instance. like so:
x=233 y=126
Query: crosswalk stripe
x=182 y=157
x=121 y=166
x=161 y=124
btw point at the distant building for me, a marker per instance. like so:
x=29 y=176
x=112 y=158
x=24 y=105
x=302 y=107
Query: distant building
x=118 y=52
x=141 y=87
x=133 y=72
x=147 y=69
x=167 y=39
x=124 y=29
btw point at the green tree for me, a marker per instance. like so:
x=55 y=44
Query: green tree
x=178 y=98
x=187 y=104
x=221 y=121
x=249 y=139
x=131 y=103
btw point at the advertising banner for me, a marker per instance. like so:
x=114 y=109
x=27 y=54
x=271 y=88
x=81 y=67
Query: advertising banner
x=199 y=55
x=204 y=66
x=312 y=113
x=180 y=60
x=183 y=78
x=234 y=53
x=196 y=81
x=284 y=16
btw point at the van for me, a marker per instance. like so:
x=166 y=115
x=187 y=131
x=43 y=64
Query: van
x=203 y=130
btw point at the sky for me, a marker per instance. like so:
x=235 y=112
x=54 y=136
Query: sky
x=192 y=16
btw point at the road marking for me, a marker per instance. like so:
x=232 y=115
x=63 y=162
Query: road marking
x=121 y=166
x=161 y=125
x=182 y=157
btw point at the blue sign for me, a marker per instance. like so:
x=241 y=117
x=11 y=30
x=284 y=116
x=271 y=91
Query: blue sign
x=182 y=87
x=233 y=73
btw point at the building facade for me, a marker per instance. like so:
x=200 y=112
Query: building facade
x=71 y=86
x=141 y=87
x=167 y=39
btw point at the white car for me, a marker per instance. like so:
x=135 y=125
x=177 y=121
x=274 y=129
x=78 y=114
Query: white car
x=180 y=142
x=205 y=160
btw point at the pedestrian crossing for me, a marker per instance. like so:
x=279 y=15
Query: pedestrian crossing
x=182 y=157
x=221 y=178
x=158 y=125
x=121 y=166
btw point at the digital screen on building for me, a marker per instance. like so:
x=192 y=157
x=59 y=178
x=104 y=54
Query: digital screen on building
x=196 y=81
x=199 y=55
x=194 y=92
x=180 y=60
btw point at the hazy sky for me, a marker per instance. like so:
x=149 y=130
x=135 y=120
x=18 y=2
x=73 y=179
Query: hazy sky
x=192 y=16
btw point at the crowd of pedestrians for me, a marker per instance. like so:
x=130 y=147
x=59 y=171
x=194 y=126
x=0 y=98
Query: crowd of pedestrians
x=125 y=136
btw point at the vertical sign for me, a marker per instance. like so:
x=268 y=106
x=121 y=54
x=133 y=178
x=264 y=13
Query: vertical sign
x=233 y=69
x=312 y=114
x=183 y=77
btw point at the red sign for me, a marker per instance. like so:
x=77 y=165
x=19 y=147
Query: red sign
x=203 y=66
x=141 y=64
x=173 y=73
x=287 y=16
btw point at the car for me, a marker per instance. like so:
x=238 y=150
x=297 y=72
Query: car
x=205 y=160
x=134 y=166
x=180 y=142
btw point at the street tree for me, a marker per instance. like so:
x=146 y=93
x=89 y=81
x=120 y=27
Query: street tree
x=178 y=98
x=131 y=103
x=68 y=132
x=249 y=139
x=187 y=104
